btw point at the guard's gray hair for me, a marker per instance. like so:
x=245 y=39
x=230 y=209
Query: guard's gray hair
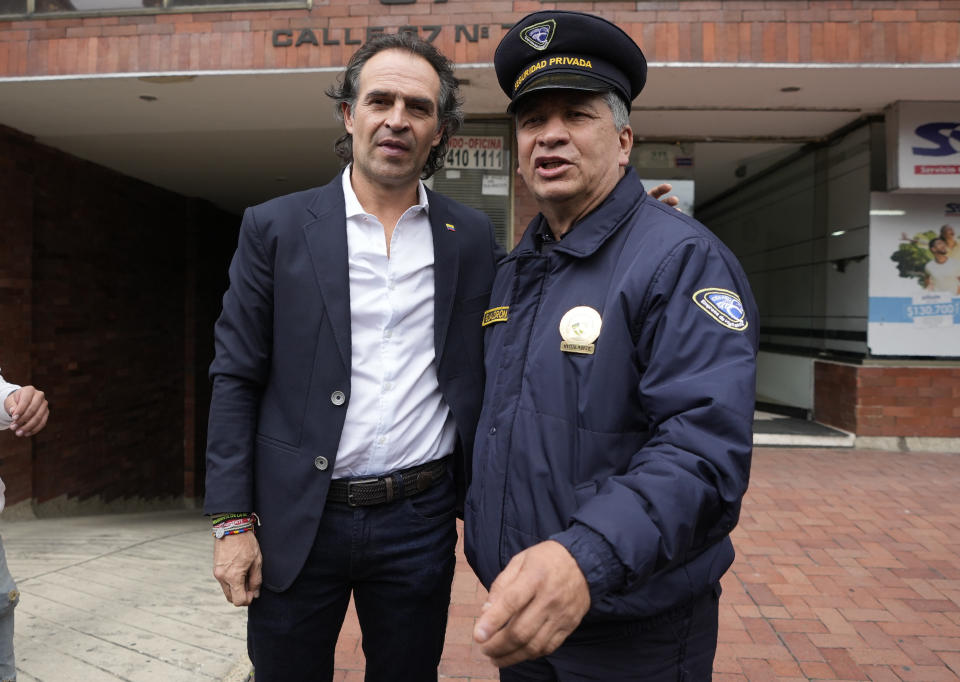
x=621 y=117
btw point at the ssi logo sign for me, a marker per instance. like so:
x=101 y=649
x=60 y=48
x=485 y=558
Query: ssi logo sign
x=942 y=155
x=944 y=139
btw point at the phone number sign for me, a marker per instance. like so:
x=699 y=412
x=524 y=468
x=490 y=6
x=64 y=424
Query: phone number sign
x=475 y=152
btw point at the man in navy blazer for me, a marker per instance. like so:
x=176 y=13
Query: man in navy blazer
x=347 y=386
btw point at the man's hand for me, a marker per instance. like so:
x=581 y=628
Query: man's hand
x=660 y=190
x=538 y=599
x=29 y=410
x=237 y=565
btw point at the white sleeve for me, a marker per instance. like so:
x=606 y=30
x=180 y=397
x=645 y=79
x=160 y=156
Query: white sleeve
x=5 y=390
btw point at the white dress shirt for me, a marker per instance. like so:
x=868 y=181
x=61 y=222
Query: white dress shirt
x=396 y=417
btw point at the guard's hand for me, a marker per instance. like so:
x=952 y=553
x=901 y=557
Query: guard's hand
x=662 y=189
x=237 y=566
x=29 y=410
x=534 y=604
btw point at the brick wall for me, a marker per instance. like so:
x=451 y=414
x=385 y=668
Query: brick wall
x=524 y=207
x=890 y=31
x=16 y=313
x=835 y=395
x=109 y=336
x=214 y=241
x=888 y=401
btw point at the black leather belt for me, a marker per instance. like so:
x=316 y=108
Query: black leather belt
x=364 y=492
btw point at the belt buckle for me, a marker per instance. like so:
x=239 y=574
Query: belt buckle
x=357 y=481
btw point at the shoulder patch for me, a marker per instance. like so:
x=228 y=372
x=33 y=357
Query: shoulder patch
x=723 y=306
x=538 y=36
x=495 y=315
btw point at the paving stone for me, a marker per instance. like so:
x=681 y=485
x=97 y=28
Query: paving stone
x=848 y=568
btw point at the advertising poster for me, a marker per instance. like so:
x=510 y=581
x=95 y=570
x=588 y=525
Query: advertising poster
x=914 y=275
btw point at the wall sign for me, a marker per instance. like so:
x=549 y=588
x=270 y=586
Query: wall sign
x=475 y=152
x=286 y=37
x=923 y=146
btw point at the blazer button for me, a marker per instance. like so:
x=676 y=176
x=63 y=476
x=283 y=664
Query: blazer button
x=321 y=463
x=337 y=398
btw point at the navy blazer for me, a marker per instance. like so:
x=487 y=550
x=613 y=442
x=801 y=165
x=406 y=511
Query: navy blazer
x=281 y=375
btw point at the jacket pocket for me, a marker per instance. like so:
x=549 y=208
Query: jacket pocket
x=275 y=444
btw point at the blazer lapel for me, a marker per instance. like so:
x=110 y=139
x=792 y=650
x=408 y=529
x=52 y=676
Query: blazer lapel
x=326 y=238
x=446 y=268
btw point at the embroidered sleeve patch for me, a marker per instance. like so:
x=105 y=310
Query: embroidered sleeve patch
x=495 y=315
x=723 y=306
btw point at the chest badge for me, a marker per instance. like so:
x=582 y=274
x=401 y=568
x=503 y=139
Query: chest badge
x=579 y=328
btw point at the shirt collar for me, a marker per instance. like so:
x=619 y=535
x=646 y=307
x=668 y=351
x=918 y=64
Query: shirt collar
x=354 y=208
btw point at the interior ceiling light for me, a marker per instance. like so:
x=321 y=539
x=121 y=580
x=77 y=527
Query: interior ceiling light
x=883 y=211
x=790 y=88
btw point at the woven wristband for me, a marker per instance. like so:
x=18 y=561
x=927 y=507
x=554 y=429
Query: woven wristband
x=234 y=524
x=220 y=518
x=220 y=532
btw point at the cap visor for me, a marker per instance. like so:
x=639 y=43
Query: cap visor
x=560 y=81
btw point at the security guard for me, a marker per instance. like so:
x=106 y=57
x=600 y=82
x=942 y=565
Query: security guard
x=614 y=444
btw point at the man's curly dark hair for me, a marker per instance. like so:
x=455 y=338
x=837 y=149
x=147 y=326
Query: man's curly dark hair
x=449 y=105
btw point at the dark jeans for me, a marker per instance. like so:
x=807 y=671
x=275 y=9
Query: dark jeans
x=398 y=560
x=675 y=647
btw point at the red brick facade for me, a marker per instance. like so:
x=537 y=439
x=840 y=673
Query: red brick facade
x=888 y=401
x=109 y=287
x=16 y=311
x=790 y=31
x=102 y=309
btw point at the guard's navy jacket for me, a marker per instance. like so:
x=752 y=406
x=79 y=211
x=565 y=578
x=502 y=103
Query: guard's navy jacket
x=634 y=457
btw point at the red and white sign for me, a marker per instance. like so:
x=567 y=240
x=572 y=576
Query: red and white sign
x=475 y=152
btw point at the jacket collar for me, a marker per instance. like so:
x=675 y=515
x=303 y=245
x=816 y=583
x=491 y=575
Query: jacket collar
x=446 y=265
x=326 y=235
x=589 y=234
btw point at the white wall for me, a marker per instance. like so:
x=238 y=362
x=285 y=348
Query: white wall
x=801 y=231
x=785 y=379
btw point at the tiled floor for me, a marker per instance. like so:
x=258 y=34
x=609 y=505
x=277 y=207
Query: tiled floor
x=848 y=568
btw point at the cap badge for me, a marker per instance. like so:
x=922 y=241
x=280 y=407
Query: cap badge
x=579 y=328
x=539 y=35
x=724 y=306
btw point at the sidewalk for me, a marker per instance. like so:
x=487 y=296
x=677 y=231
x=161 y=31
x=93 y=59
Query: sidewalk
x=848 y=568
x=120 y=597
